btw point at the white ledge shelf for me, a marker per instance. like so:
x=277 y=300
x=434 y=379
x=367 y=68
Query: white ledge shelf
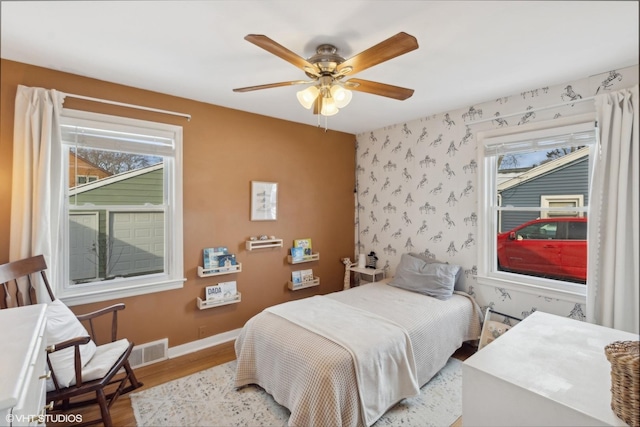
x=204 y=304
x=308 y=258
x=217 y=271
x=263 y=244
x=303 y=285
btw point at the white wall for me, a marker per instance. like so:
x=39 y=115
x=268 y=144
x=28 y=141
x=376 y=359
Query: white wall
x=417 y=185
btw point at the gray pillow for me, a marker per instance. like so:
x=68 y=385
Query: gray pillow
x=435 y=261
x=433 y=279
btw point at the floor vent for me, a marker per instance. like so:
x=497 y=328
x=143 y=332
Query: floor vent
x=148 y=353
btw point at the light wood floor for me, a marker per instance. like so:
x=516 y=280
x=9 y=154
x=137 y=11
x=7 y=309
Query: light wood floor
x=161 y=372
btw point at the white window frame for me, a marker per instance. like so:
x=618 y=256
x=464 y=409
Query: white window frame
x=488 y=222
x=576 y=199
x=90 y=179
x=173 y=275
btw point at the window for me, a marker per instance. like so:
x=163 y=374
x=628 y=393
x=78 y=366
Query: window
x=534 y=208
x=123 y=233
x=84 y=179
x=558 y=202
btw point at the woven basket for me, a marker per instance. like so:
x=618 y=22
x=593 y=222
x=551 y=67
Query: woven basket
x=624 y=357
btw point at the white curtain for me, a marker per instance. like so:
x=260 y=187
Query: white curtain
x=36 y=192
x=613 y=293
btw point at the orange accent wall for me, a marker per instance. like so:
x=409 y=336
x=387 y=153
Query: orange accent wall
x=224 y=150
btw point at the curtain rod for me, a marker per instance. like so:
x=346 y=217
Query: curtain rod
x=122 y=104
x=589 y=98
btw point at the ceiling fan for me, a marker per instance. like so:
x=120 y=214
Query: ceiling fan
x=328 y=91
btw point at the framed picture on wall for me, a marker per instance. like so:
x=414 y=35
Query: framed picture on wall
x=264 y=201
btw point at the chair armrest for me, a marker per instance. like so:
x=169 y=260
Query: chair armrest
x=77 y=360
x=113 y=310
x=52 y=348
x=102 y=311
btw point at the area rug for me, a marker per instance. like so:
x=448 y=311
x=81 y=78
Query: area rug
x=208 y=398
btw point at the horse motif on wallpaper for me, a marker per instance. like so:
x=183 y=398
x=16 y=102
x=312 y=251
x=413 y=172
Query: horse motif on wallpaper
x=466 y=138
x=409 y=156
x=570 y=94
x=451 y=151
x=499 y=120
x=422 y=136
x=408 y=246
x=408 y=201
x=472 y=114
x=608 y=82
x=471 y=167
x=529 y=115
x=427 y=208
x=436 y=141
x=427 y=161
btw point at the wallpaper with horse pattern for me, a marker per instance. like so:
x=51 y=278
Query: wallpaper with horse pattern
x=417 y=185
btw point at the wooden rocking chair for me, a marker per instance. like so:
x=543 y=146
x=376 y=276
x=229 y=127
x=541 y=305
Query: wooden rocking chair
x=85 y=371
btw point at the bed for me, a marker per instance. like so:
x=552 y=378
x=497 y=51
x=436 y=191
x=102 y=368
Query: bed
x=316 y=376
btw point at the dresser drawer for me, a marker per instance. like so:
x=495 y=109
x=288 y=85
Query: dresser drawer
x=22 y=395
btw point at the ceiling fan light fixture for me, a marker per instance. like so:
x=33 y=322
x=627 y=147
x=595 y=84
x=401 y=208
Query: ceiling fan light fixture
x=307 y=96
x=329 y=107
x=341 y=96
x=327 y=68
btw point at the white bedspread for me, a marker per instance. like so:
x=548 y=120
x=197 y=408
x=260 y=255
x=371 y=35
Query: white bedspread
x=315 y=378
x=381 y=349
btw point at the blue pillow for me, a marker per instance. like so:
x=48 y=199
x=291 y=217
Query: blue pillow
x=436 y=280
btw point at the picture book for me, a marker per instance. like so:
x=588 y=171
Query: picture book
x=307 y=275
x=221 y=291
x=296 y=277
x=210 y=256
x=305 y=244
x=226 y=261
x=297 y=254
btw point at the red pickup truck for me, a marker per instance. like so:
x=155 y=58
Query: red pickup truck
x=549 y=247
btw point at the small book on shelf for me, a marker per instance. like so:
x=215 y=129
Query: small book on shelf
x=296 y=277
x=297 y=254
x=226 y=261
x=210 y=256
x=305 y=244
x=221 y=291
x=307 y=275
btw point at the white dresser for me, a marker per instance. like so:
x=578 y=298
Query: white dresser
x=22 y=365
x=546 y=371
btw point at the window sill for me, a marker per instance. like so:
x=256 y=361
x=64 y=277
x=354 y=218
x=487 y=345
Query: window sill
x=538 y=288
x=73 y=297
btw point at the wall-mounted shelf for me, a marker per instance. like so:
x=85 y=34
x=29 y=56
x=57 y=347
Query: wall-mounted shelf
x=204 y=304
x=296 y=286
x=309 y=258
x=263 y=244
x=217 y=271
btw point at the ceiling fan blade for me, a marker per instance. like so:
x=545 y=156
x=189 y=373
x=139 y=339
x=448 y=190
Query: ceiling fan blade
x=381 y=89
x=277 y=49
x=392 y=47
x=270 y=85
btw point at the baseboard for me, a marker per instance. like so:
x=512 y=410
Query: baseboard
x=212 y=341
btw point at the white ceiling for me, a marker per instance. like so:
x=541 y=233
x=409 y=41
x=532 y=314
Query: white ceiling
x=470 y=51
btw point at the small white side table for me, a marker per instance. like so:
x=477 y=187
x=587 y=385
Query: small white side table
x=368 y=275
